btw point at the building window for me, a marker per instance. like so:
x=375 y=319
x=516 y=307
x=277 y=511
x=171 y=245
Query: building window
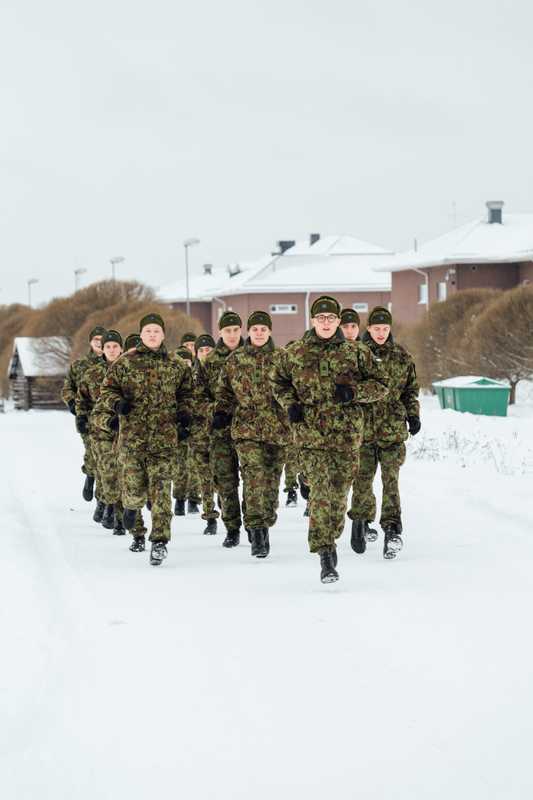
x=422 y=293
x=284 y=308
x=442 y=290
x=362 y=308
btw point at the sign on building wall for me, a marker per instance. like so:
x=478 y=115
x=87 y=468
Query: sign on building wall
x=361 y=308
x=284 y=308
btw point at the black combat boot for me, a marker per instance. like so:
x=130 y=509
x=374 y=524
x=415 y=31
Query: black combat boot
x=306 y=512
x=129 y=515
x=358 y=539
x=99 y=511
x=292 y=498
x=211 y=527
x=334 y=555
x=371 y=533
x=305 y=491
x=328 y=573
x=265 y=548
x=179 y=508
x=232 y=538
x=257 y=536
x=158 y=553
x=393 y=542
x=149 y=505
x=108 y=520
x=192 y=507
x=118 y=530
x=138 y=544
x=88 y=488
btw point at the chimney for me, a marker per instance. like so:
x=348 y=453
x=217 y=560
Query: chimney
x=314 y=237
x=284 y=245
x=208 y=269
x=495 y=211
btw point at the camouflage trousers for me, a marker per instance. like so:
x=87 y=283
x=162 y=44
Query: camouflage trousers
x=144 y=475
x=88 y=466
x=291 y=467
x=329 y=474
x=202 y=462
x=261 y=466
x=390 y=460
x=186 y=483
x=91 y=459
x=225 y=465
x=109 y=472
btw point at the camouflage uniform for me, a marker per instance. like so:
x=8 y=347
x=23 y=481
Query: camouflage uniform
x=102 y=442
x=158 y=385
x=69 y=394
x=200 y=446
x=331 y=432
x=185 y=481
x=384 y=435
x=291 y=468
x=259 y=429
x=223 y=455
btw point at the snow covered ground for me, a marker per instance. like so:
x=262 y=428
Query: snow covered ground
x=219 y=676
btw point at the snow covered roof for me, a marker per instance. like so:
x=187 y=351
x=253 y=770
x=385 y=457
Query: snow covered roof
x=41 y=356
x=471 y=382
x=332 y=263
x=477 y=242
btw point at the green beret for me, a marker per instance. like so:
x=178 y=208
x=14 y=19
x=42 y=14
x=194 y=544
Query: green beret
x=326 y=305
x=350 y=315
x=188 y=337
x=132 y=341
x=379 y=316
x=112 y=336
x=98 y=330
x=204 y=340
x=152 y=319
x=229 y=318
x=259 y=318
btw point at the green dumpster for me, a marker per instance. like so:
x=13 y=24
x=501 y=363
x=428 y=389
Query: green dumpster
x=474 y=394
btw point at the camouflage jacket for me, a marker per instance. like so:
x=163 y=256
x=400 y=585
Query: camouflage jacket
x=159 y=385
x=89 y=389
x=76 y=370
x=244 y=390
x=206 y=375
x=385 y=422
x=307 y=372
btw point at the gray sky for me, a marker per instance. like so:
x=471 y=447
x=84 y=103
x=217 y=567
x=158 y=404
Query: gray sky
x=126 y=128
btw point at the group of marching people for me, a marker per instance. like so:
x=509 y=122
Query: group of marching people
x=328 y=407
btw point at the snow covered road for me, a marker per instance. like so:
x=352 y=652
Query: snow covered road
x=221 y=676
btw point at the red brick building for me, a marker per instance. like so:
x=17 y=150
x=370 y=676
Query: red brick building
x=286 y=284
x=494 y=252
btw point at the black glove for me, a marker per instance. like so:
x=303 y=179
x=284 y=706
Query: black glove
x=343 y=393
x=220 y=420
x=414 y=425
x=183 y=433
x=183 y=419
x=81 y=424
x=114 y=423
x=296 y=413
x=123 y=407
x=72 y=406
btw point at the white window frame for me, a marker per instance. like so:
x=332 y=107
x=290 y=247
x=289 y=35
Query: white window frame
x=442 y=291
x=422 y=294
x=361 y=308
x=283 y=308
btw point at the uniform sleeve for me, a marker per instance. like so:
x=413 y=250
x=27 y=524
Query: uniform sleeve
x=111 y=392
x=70 y=389
x=281 y=382
x=374 y=386
x=184 y=395
x=409 y=395
x=84 y=403
x=225 y=399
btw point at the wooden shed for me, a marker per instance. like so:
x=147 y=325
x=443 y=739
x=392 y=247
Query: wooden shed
x=37 y=370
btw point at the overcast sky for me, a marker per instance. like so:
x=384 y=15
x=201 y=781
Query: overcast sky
x=128 y=127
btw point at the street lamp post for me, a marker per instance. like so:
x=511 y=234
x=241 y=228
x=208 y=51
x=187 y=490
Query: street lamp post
x=77 y=273
x=31 y=282
x=186 y=244
x=114 y=261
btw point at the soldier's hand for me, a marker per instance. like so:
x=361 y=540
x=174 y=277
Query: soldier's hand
x=296 y=413
x=343 y=393
x=414 y=424
x=183 y=419
x=72 y=406
x=114 y=423
x=220 y=420
x=81 y=424
x=123 y=407
x=183 y=433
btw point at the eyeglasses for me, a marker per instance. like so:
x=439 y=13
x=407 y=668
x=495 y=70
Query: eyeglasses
x=322 y=318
